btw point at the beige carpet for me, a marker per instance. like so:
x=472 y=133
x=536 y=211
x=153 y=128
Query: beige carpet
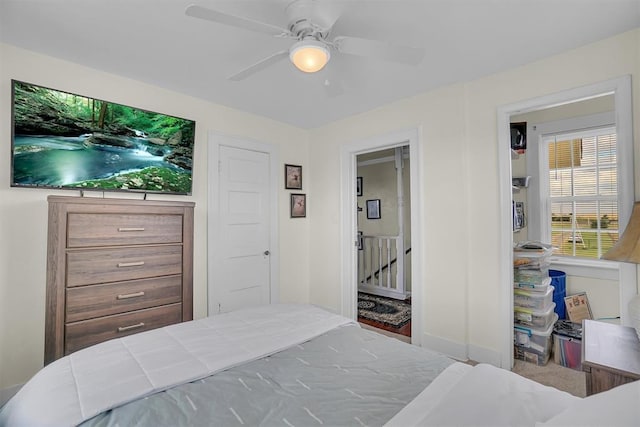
x=553 y=375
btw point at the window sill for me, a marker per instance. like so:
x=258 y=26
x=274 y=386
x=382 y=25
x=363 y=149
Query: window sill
x=596 y=268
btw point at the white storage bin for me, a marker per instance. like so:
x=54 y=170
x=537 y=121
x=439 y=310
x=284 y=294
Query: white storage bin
x=532 y=282
x=539 y=301
x=530 y=355
x=534 y=318
x=530 y=342
x=526 y=257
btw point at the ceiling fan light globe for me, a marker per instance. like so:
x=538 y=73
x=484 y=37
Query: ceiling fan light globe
x=309 y=56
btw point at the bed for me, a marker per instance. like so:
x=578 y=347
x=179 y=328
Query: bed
x=290 y=365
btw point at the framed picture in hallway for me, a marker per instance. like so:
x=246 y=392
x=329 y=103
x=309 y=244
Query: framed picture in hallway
x=373 y=209
x=293 y=177
x=298 y=205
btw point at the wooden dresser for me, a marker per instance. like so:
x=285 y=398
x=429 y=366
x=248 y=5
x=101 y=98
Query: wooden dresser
x=115 y=267
x=610 y=355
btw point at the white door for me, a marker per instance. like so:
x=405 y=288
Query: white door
x=242 y=264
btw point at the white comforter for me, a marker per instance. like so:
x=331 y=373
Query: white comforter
x=482 y=396
x=488 y=396
x=88 y=382
x=79 y=386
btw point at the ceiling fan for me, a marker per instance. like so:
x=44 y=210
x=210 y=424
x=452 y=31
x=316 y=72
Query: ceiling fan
x=309 y=23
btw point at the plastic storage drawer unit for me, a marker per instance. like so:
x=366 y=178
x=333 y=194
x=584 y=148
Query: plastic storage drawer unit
x=539 y=301
x=535 y=259
x=533 y=345
x=531 y=283
x=536 y=277
x=534 y=318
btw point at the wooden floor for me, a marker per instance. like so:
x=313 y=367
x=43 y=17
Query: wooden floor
x=403 y=338
x=404 y=330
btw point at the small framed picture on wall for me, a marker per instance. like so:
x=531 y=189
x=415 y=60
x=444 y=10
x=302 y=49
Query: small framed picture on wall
x=293 y=177
x=298 y=205
x=373 y=209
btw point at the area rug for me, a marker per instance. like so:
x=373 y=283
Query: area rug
x=388 y=311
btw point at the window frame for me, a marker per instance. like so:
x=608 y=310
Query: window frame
x=537 y=196
x=545 y=141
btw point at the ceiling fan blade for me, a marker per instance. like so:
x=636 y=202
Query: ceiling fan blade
x=376 y=49
x=326 y=14
x=200 y=12
x=260 y=65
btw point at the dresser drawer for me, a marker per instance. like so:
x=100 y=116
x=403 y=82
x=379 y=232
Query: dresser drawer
x=97 y=229
x=95 y=266
x=87 y=302
x=88 y=332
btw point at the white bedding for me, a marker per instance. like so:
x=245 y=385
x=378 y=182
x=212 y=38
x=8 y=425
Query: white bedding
x=77 y=387
x=86 y=383
x=618 y=407
x=426 y=401
x=483 y=396
x=488 y=396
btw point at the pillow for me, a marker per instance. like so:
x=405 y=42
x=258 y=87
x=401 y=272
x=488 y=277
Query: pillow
x=490 y=396
x=619 y=406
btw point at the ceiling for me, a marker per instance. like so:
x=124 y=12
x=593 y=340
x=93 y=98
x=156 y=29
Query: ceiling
x=155 y=42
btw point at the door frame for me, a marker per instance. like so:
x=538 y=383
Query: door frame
x=627 y=278
x=349 y=223
x=215 y=140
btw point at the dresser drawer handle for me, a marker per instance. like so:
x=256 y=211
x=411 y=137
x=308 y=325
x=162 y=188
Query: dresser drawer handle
x=128 y=328
x=130 y=228
x=130 y=264
x=125 y=296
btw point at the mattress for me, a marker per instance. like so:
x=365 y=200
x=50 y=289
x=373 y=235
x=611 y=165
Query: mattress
x=346 y=377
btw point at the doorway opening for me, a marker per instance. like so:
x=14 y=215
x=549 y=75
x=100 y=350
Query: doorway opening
x=406 y=144
x=624 y=274
x=384 y=240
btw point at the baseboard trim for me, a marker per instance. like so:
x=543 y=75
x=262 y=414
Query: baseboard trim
x=8 y=393
x=452 y=349
x=461 y=351
x=485 y=355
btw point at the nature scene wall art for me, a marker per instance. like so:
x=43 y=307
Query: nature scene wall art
x=63 y=140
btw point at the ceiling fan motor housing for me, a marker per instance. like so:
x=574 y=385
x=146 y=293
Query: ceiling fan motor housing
x=302 y=20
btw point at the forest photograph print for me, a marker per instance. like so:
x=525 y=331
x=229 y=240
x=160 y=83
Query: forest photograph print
x=63 y=140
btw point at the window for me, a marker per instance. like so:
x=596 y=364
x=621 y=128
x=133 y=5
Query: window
x=582 y=191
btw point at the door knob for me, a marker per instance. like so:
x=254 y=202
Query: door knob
x=267 y=252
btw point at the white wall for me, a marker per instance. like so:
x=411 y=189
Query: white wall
x=460 y=162
x=440 y=115
x=380 y=182
x=23 y=212
x=457 y=126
